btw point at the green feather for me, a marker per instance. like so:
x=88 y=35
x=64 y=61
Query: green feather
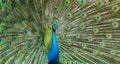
x=48 y=39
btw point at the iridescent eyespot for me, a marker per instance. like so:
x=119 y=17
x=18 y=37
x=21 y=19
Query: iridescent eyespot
x=94 y=51
x=102 y=43
x=98 y=18
x=83 y=15
x=56 y=9
x=66 y=3
x=90 y=39
x=108 y=36
x=115 y=24
x=112 y=52
x=62 y=36
x=82 y=26
x=115 y=8
x=41 y=11
x=77 y=35
x=69 y=15
x=99 y=4
x=95 y=30
x=69 y=42
x=67 y=27
x=82 y=2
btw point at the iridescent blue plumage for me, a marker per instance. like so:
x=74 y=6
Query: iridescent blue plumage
x=53 y=54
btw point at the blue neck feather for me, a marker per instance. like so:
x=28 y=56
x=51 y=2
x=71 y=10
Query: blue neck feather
x=53 y=54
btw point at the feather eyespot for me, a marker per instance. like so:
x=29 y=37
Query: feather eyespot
x=108 y=36
x=56 y=9
x=69 y=15
x=115 y=24
x=115 y=8
x=67 y=3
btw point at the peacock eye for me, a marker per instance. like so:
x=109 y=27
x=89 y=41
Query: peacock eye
x=95 y=30
x=69 y=15
x=82 y=2
x=22 y=19
x=112 y=52
x=77 y=35
x=69 y=42
x=115 y=8
x=56 y=9
x=99 y=4
x=115 y=24
x=41 y=11
x=83 y=15
x=55 y=26
x=108 y=36
x=67 y=27
x=67 y=3
x=62 y=36
x=102 y=43
x=90 y=39
x=94 y=51
x=82 y=26
x=98 y=18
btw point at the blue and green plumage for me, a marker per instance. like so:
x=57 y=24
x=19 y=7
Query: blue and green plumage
x=52 y=45
x=88 y=33
x=53 y=54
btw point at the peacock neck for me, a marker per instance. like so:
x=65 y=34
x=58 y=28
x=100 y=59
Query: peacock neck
x=54 y=40
x=53 y=55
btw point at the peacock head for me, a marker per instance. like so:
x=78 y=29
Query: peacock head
x=55 y=26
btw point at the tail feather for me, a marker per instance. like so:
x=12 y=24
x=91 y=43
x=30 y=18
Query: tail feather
x=89 y=30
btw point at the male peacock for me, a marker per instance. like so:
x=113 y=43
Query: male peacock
x=53 y=55
x=88 y=32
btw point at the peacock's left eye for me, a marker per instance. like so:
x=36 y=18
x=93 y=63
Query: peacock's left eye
x=55 y=26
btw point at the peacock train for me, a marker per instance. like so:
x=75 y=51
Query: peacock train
x=59 y=31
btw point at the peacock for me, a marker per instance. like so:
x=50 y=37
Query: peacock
x=59 y=31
